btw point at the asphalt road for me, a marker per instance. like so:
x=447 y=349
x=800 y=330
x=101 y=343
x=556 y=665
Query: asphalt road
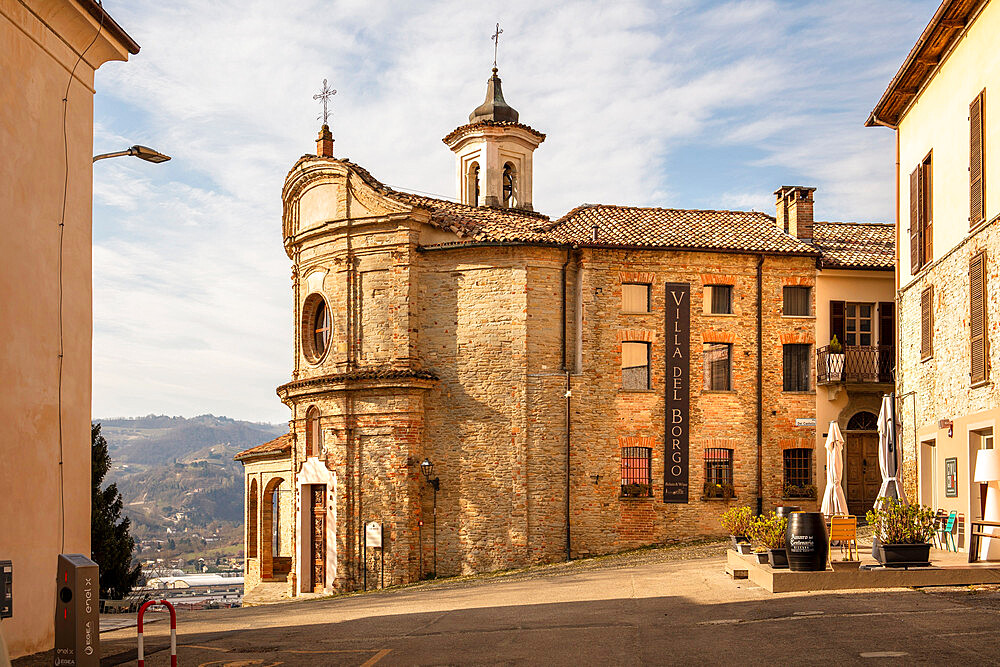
x=672 y=612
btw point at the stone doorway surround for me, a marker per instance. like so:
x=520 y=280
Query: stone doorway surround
x=314 y=471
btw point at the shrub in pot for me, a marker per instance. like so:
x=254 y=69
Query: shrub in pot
x=714 y=490
x=903 y=531
x=738 y=520
x=768 y=532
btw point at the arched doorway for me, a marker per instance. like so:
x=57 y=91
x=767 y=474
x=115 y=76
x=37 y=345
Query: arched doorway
x=274 y=566
x=863 y=477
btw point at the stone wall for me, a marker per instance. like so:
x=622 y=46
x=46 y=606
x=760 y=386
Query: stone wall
x=941 y=385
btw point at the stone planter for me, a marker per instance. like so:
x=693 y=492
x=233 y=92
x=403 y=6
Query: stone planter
x=779 y=558
x=744 y=549
x=736 y=540
x=762 y=557
x=904 y=555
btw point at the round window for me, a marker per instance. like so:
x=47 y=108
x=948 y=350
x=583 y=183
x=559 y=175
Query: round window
x=316 y=327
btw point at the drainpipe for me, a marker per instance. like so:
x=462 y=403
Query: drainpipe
x=896 y=324
x=760 y=387
x=568 y=397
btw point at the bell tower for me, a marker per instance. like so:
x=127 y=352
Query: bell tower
x=494 y=154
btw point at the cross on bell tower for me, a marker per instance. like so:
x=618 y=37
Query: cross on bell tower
x=494 y=150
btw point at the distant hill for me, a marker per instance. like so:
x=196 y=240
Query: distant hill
x=160 y=439
x=178 y=480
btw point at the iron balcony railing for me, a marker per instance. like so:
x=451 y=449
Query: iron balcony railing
x=860 y=364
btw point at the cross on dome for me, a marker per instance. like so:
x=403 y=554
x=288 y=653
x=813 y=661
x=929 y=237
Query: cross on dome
x=325 y=96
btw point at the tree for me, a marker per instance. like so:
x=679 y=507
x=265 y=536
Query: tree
x=111 y=545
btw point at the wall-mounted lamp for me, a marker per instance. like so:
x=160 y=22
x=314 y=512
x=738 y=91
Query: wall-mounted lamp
x=948 y=424
x=427 y=468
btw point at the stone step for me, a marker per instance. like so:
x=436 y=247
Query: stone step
x=266 y=592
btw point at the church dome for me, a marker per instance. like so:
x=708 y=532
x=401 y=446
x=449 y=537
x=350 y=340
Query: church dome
x=495 y=108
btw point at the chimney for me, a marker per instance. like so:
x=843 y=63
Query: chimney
x=324 y=142
x=795 y=210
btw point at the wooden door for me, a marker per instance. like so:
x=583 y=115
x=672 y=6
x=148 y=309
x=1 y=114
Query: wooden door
x=863 y=478
x=317 y=536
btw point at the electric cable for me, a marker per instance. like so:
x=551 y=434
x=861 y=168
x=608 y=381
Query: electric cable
x=59 y=271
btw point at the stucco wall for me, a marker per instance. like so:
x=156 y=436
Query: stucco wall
x=939 y=120
x=37 y=58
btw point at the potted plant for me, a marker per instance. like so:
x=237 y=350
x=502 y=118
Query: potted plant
x=835 y=359
x=738 y=521
x=795 y=491
x=769 y=533
x=903 y=532
x=715 y=490
x=637 y=490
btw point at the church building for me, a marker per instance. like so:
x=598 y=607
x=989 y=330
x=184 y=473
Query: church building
x=484 y=387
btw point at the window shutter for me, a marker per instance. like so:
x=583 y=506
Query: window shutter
x=886 y=323
x=926 y=210
x=927 y=323
x=976 y=182
x=915 y=221
x=977 y=317
x=837 y=324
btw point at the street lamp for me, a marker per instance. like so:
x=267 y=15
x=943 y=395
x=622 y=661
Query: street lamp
x=427 y=468
x=142 y=152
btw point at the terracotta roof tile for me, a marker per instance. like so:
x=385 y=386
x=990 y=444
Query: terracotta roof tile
x=856 y=245
x=280 y=445
x=631 y=226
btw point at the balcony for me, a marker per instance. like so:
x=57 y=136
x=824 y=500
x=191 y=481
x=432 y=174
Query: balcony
x=861 y=364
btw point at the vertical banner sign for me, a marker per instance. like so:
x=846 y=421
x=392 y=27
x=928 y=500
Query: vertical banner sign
x=677 y=410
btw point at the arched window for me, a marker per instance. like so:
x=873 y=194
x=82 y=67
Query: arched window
x=863 y=421
x=252 y=521
x=509 y=192
x=473 y=184
x=314 y=435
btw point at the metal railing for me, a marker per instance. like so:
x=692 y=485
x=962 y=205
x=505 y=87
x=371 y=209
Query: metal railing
x=856 y=364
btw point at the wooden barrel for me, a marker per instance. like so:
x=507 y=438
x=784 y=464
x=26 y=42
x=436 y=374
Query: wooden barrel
x=785 y=510
x=805 y=540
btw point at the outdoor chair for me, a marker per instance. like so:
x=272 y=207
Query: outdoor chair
x=844 y=531
x=945 y=533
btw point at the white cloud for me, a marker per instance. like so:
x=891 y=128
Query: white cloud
x=192 y=290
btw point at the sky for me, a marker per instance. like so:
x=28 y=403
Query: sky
x=677 y=103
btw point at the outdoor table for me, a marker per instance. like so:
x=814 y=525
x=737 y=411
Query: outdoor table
x=976 y=534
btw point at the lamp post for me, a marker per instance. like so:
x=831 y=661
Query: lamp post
x=428 y=469
x=142 y=152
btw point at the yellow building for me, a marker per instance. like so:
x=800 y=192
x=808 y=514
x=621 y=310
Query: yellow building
x=944 y=108
x=48 y=48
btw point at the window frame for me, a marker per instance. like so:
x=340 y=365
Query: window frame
x=857 y=320
x=716 y=460
x=798 y=467
x=979 y=375
x=649 y=291
x=636 y=472
x=711 y=299
x=804 y=368
x=708 y=368
x=649 y=365
x=786 y=289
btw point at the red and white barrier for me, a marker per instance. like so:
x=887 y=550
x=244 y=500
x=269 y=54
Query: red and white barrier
x=173 y=630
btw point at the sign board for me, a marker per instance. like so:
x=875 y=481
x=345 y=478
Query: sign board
x=373 y=534
x=677 y=427
x=951 y=477
x=805 y=421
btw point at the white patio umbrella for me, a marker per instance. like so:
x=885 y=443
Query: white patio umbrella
x=890 y=454
x=834 y=501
